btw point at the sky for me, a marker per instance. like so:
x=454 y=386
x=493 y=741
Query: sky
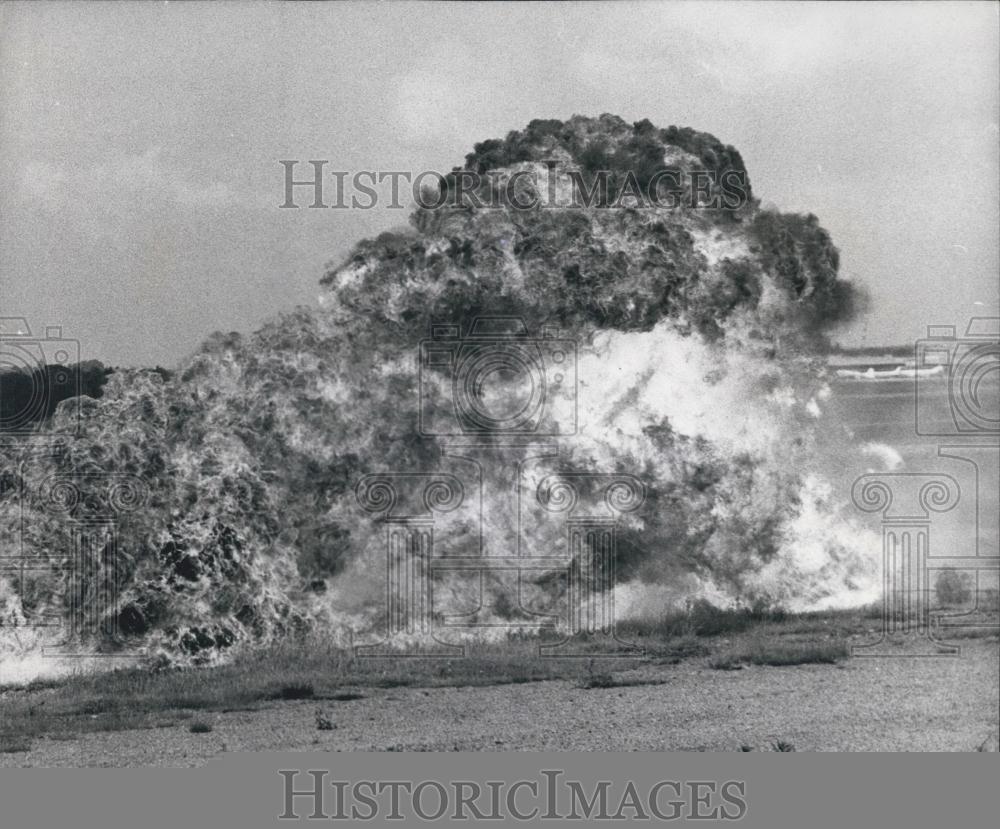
x=140 y=143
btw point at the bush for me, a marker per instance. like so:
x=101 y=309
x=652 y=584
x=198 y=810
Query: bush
x=294 y=690
x=199 y=727
x=989 y=599
x=953 y=587
x=599 y=680
x=709 y=620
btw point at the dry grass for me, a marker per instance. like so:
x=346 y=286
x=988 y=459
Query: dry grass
x=781 y=654
x=136 y=698
x=313 y=670
x=345 y=696
x=603 y=680
x=701 y=619
x=14 y=743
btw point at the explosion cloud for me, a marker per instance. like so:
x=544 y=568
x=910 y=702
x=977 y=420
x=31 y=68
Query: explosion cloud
x=697 y=332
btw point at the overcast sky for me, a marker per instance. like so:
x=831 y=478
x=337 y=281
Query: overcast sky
x=139 y=144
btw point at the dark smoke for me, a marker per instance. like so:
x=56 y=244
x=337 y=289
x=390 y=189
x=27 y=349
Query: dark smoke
x=251 y=450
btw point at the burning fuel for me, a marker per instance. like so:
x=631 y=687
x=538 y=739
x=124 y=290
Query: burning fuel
x=672 y=344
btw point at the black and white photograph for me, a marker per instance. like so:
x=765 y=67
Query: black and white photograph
x=488 y=378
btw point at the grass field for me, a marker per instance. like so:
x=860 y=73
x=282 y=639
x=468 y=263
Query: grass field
x=311 y=670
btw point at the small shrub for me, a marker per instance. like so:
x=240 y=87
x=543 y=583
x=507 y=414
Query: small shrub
x=592 y=680
x=199 y=727
x=781 y=745
x=953 y=587
x=295 y=690
x=323 y=722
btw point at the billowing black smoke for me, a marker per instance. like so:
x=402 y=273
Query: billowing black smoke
x=694 y=327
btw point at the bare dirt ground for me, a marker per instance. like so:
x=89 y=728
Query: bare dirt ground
x=895 y=704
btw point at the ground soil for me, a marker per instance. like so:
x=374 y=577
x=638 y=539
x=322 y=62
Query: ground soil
x=895 y=704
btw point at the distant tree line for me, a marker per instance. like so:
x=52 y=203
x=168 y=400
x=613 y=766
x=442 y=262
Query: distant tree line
x=904 y=350
x=27 y=398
